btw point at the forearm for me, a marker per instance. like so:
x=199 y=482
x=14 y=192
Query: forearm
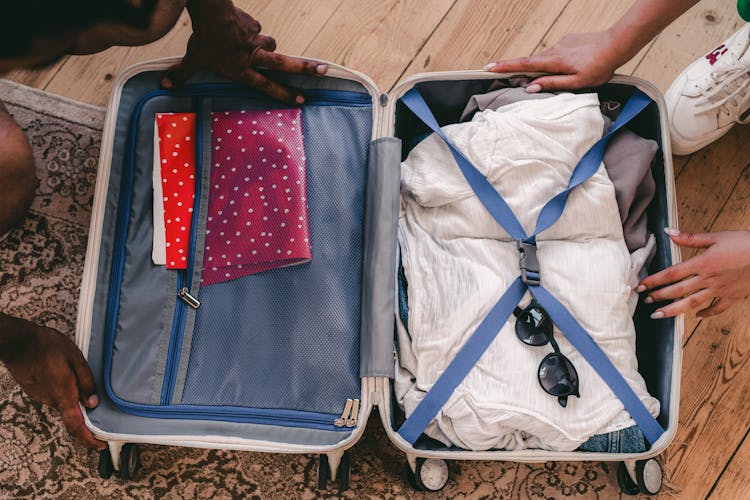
x=643 y=21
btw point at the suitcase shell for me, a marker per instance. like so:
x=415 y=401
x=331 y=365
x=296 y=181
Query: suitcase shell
x=658 y=343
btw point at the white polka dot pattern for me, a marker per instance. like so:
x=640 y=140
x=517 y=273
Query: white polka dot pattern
x=257 y=207
x=177 y=158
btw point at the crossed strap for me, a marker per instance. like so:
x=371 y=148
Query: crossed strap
x=530 y=279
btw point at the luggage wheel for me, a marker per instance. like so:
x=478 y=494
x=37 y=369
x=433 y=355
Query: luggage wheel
x=427 y=474
x=640 y=476
x=120 y=457
x=105 y=467
x=336 y=466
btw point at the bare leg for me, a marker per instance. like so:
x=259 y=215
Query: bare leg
x=17 y=172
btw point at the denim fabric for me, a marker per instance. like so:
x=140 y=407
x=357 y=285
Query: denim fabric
x=628 y=440
x=403 y=298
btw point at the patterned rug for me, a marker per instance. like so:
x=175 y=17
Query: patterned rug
x=41 y=264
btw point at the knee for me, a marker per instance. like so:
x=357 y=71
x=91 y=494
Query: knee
x=17 y=172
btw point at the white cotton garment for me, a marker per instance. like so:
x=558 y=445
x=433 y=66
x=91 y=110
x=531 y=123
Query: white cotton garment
x=458 y=262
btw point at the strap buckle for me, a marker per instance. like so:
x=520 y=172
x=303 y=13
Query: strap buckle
x=528 y=263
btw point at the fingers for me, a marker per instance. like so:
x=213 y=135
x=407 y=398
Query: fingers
x=178 y=74
x=556 y=82
x=691 y=240
x=280 y=62
x=540 y=63
x=85 y=379
x=73 y=420
x=689 y=303
x=717 y=307
x=669 y=275
x=257 y=81
x=266 y=42
x=678 y=290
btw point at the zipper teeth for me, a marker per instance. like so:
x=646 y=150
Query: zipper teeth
x=239 y=414
x=185 y=276
x=314 y=96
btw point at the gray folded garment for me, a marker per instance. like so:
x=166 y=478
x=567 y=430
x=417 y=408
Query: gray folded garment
x=628 y=157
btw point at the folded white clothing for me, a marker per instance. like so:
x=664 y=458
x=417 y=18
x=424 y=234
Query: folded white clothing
x=458 y=261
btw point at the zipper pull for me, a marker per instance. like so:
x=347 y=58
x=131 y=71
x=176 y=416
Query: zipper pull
x=352 y=420
x=341 y=421
x=184 y=294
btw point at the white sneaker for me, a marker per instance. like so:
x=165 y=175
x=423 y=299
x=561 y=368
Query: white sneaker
x=711 y=95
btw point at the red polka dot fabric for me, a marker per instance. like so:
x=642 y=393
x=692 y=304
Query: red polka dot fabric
x=176 y=137
x=257 y=207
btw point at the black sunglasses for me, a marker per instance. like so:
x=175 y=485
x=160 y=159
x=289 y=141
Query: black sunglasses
x=556 y=374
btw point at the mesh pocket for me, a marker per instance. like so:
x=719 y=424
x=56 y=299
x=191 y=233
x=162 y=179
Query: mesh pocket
x=289 y=338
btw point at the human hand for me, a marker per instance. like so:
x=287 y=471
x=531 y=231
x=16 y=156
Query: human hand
x=51 y=370
x=228 y=42
x=578 y=60
x=721 y=271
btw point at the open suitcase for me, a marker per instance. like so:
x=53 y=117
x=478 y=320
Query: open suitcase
x=293 y=360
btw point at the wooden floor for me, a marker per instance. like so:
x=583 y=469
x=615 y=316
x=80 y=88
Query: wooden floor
x=390 y=39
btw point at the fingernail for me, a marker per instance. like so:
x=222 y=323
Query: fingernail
x=648 y=300
x=489 y=66
x=92 y=402
x=657 y=315
x=671 y=232
x=640 y=288
x=321 y=68
x=533 y=88
x=299 y=99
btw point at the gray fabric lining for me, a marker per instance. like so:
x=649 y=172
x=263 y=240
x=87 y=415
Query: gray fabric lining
x=378 y=292
x=95 y=356
x=290 y=337
x=141 y=323
x=200 y=246
x=161 y=359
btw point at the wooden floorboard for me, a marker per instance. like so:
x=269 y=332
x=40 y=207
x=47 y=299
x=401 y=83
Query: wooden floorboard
x=715 y=378
x=735 y=479
x=379 y=41
x=36 y=78
x=392 y=39
x=476 y=32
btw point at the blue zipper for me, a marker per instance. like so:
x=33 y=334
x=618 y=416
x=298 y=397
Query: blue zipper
x=282 y=417
x=313 y=97
x=266 y=416
x=184 y=277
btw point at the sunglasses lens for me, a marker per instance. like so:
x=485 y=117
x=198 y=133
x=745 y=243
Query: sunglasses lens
x=533 y=327
x=558 y=376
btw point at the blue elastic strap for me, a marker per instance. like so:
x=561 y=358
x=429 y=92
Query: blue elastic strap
x=589 y=164
x=462 y=364
x=590 y=350
x=486 y=193
x=551 y=212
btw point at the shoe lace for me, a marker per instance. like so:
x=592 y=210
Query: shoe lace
x=727 y=87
